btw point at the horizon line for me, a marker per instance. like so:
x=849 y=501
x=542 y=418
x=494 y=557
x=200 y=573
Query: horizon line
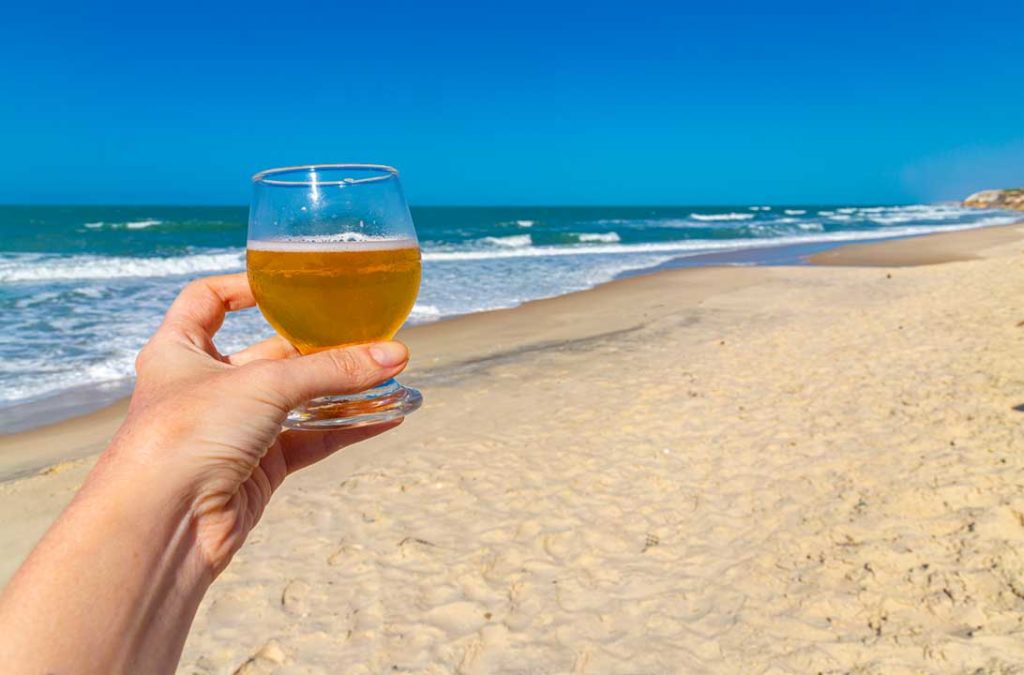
x=499 y=206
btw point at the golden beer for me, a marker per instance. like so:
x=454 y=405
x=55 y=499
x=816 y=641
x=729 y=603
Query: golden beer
x=321 y=295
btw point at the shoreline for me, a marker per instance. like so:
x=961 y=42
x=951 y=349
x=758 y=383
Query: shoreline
x=80 y=436
x=85 y=400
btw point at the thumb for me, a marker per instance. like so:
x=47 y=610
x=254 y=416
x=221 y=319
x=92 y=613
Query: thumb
x=333 y=372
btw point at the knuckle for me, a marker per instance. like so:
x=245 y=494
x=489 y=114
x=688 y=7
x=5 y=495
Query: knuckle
x=197 y=291
x=141 y=359
x=263 y=381
x=144 y=357
x=262 y=372
x=200 y=284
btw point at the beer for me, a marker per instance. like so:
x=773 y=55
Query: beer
x=326 y=294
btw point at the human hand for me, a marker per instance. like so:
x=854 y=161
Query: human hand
x=208 y=426
x=114 y=584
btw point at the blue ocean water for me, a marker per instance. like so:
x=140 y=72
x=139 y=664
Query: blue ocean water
x=82 y=287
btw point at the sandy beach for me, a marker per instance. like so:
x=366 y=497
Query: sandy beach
x=728 y=469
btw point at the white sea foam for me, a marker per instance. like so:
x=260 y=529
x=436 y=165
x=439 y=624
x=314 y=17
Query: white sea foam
x=721 y=216
x=794 y=212
x=85 y=316
x=142 y=224
x=514 y=241
x=908 y=214
x=650 y=223
x=37 y=299
x=669 y=223
x=129 y=225
x=38 y=267
x=33 y=267
x=703 y=245
x=603 y=237
x=526 y=223
x=423 y=312
x=49 y=385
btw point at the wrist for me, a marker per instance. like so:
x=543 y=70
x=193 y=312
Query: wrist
x=122 y=565
x=148 y=509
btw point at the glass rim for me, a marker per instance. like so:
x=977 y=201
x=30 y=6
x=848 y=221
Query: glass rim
x=267 y=175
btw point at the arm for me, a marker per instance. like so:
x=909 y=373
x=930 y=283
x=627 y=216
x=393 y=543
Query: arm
x=115 y=583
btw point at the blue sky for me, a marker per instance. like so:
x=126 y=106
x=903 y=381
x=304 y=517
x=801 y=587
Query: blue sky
x=516 y=102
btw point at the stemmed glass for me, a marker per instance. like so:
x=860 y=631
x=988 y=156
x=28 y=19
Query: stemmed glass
x=333 y=260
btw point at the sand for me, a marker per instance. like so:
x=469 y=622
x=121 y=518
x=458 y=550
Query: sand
x=713 y=470
x=938 y=248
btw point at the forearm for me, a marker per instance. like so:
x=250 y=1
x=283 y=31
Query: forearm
x=112 y=587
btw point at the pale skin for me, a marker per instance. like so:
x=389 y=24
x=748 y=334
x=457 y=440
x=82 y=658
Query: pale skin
x=114 y=584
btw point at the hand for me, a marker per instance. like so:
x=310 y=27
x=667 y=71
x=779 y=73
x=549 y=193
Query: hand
x=116 y=581
x=209 y=426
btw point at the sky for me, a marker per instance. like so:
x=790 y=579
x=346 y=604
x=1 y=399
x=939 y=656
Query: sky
x=525 y=102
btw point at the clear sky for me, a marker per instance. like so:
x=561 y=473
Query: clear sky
x=518 y=102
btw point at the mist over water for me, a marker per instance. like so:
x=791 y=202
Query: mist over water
x=82 y=288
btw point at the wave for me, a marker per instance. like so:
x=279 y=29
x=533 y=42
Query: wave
x=526 y=223
x=35 y=267
x=909 y=214
x=142 y=224
x=80 y=318
x=698 y=246
x=128 y=225
x=603 y=237
x=422 y=312
x=111 y=373
x=513 y=241
x=23 y=267
x=643 y=223
x=721 y=216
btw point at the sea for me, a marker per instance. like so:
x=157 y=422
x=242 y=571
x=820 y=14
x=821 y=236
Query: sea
x=83 y=287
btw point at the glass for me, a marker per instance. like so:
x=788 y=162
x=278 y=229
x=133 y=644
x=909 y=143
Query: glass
x=333 y=260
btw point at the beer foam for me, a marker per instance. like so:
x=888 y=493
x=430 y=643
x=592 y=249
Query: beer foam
x=348 y=241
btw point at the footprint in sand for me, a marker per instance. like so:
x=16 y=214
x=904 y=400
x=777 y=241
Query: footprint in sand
x=458 y=618
x=264 y=661
x=295 y=598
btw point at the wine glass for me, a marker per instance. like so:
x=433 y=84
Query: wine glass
x=333 y=260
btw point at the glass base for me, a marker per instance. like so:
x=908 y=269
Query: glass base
x=384 y=402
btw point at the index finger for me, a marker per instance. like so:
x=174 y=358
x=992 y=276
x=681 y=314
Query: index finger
x=199 y=309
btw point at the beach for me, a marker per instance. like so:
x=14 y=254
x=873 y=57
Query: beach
x=719 y=469
x=83 y=287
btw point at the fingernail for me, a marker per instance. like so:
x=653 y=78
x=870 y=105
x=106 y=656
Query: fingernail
x=389 y=354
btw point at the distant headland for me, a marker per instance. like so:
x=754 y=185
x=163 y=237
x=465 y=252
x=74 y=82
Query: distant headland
x=997 y=199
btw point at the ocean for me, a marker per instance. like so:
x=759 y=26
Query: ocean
x=83 y=287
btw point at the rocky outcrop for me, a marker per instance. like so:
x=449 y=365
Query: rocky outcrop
x=997 y=199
